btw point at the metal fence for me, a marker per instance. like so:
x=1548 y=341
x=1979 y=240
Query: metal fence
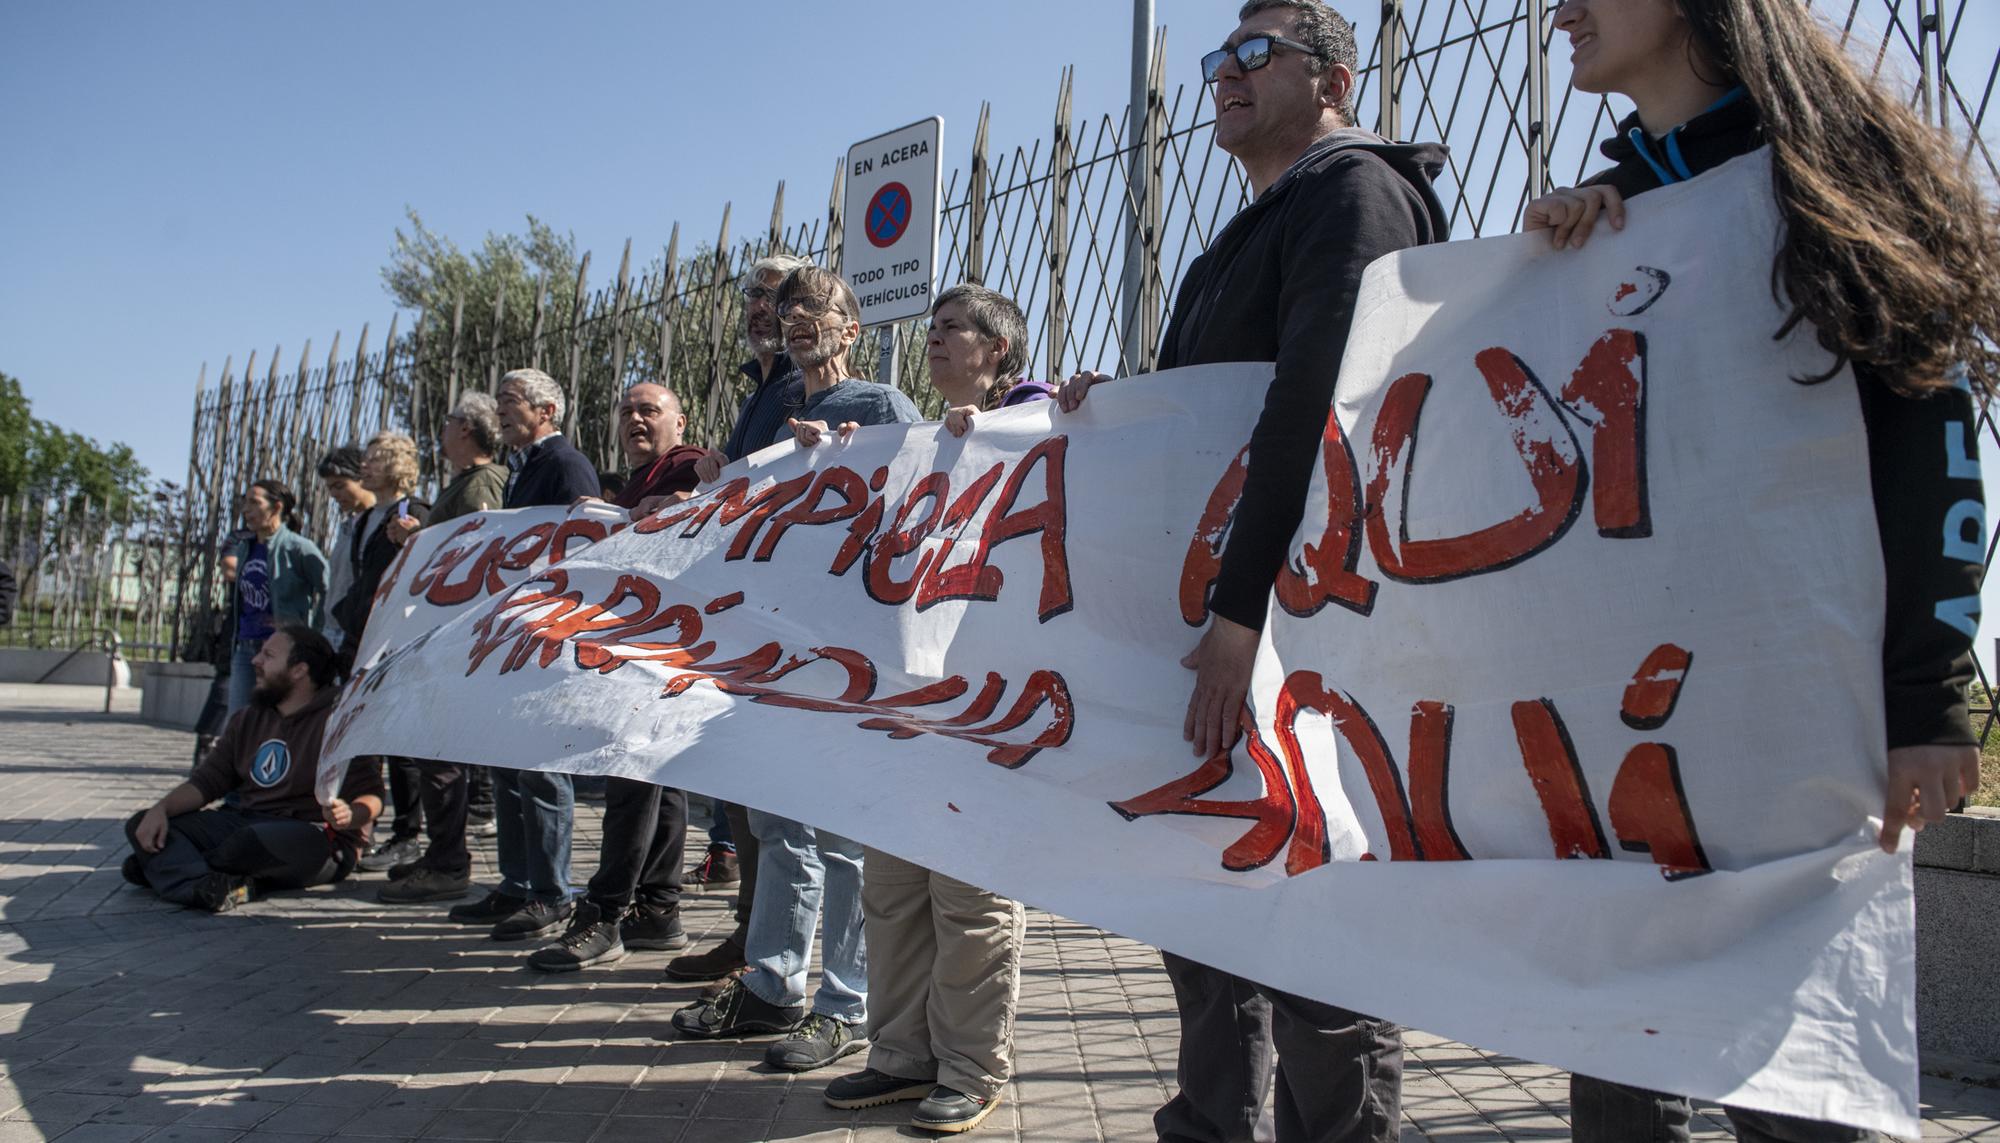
x=1089 y=227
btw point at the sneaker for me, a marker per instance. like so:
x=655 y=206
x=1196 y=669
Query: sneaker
x=815 y=1043
x=592 y=939
x=221 y=892
x=398 y=872
x=870 y=1088
x=737 y=1012
x=651 y=927
x=534 y=919
x=715 y=987
x=135 y=871
x=482 y=827
x=495 y=906
x=952 y=1111
x=423 y=883
x=714 y=964
x=391 y=853
x=717 y=870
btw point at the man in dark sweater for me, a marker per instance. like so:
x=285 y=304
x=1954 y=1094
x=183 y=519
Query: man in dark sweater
x=535 y=809
x=1279 y=284
x=776 y=390
x=277 y=836
x=633 y=901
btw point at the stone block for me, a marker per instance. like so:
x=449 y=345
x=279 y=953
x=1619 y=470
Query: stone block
x=1958 y=929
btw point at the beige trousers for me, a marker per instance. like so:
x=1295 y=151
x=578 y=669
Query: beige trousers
x=944 y=976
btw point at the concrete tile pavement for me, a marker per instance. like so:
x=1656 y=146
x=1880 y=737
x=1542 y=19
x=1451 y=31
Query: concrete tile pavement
x=327 y=1015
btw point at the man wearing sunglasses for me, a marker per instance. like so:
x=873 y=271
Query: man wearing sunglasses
x=1279 y=284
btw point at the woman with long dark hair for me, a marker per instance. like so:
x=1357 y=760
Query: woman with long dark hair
x=1890 y=259
x=280 y=579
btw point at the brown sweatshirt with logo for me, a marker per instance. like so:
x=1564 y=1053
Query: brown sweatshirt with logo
x=271 y=760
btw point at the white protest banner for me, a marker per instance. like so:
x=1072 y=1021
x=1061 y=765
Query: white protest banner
x=1568 y=727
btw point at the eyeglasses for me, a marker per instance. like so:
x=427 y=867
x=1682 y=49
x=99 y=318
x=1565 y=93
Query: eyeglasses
x=759 y=293
x=1251 y=54
x=800 y=310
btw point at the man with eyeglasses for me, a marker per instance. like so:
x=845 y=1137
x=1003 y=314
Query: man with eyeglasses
x=808 y=879
x=774 y=388
x=1278 y=284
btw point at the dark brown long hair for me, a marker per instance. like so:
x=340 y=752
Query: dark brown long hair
x=1890 y=250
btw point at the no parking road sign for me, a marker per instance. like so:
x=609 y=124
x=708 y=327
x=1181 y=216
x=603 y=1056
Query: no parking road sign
x=891 y=208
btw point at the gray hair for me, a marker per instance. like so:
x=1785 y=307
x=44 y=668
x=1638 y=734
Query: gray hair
x=777 y=266
x=482 y=421
x=994 y=315
x=1326 y=32
x=538 y=389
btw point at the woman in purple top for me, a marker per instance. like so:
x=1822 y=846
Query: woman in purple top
x=978 y=344
x=944 y=957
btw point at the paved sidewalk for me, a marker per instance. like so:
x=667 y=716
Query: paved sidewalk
x=327 y=1015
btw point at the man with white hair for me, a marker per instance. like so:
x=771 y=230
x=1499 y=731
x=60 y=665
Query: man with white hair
x=535 y=809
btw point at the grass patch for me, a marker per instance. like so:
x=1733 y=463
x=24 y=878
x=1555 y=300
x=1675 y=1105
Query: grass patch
x=1989 y=752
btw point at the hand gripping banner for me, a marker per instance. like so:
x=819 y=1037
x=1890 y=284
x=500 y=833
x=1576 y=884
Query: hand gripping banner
x=1568 y=722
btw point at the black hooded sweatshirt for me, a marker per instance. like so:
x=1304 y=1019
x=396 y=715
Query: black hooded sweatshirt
x=1278 y=284
x=1922 y=465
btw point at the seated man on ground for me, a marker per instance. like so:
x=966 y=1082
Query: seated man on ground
x=277 y=836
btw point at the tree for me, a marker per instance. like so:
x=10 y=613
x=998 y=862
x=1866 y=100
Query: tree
x=52 y=464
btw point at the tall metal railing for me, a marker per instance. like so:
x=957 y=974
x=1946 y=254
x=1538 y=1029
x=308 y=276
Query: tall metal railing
x=1047 y=221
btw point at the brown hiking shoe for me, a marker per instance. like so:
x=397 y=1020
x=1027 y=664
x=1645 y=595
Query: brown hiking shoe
x=717 y=987
x=714 y=964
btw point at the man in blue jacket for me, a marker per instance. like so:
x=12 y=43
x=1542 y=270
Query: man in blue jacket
x=535 y=809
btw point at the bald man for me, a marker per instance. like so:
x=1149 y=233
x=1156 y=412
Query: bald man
x=650 y=427
x=633 y=900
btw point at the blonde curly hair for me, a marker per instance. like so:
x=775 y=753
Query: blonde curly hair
x=397 y=455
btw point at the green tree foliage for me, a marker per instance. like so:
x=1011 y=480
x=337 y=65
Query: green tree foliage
x=52 y=464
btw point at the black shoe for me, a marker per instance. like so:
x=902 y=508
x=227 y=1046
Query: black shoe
x=717 y=870
x=592 y=939
x=534 y=919
x=221 y=892
x=135 y=871
x=495 y=906
x=870 y=1088
x=737 y=1012
x=952 y=1111
x=422 y=883
x=391 y=853
x=714 y=964
x=398 y=872
x=815 y=1043
x=651 y=927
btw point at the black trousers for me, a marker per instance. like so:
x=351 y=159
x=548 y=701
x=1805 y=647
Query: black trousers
x=1604 y=1112
x=406 y=782
x=645 y=844
x=280 y=853
x=442 y=788
x=746 y=866
x=478 y=792
x=1339 y=1073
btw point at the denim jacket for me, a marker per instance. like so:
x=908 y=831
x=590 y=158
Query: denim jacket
x=298 y=577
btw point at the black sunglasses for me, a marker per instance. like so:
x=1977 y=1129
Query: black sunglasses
x=1251 y=54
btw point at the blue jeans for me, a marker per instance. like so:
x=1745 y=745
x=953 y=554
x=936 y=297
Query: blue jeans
x=242 y=677
x=718 y=827
x=1606 y=1112
x=807 y=880
x=535 y=811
